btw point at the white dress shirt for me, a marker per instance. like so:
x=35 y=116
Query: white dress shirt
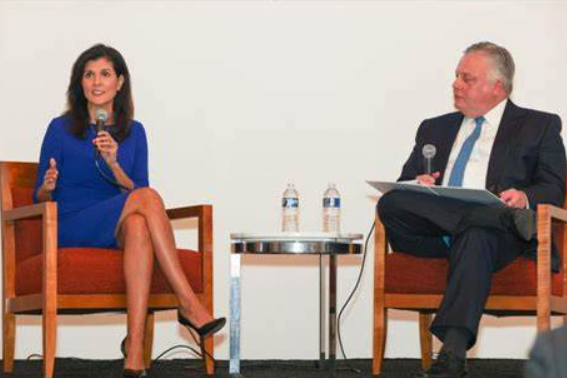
x=477 y=166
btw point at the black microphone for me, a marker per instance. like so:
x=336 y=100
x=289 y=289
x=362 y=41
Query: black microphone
x=101 y=116
x=428 y=152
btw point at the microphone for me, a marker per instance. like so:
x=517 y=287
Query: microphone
x=428 y=152
x=101 y=116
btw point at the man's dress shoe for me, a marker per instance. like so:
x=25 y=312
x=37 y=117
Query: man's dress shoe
x=447 y=365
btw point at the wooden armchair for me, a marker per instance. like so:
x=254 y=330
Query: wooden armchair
x=525 y=287
x=39 y=278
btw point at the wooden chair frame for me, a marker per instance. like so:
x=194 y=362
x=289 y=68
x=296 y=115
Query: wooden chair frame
x=49 y=303
x=543 y=305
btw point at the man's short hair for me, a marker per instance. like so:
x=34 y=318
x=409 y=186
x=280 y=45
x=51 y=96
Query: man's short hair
x=502 y=62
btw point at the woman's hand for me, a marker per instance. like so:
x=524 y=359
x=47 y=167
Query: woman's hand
x=50 y=178
x=107 y=146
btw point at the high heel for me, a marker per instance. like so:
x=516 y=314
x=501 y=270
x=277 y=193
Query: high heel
x=131 y=373
x=123 y=348
x=206 y=329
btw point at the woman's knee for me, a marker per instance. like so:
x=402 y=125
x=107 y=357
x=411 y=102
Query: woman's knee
x=146 y=198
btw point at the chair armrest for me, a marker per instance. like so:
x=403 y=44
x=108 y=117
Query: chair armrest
x=546 y=215
x=204 y=214
x=25 y=212
x=47 y=211
x=196 y=211
x=380 y=252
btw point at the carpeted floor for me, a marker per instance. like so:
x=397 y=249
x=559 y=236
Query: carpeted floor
x=394 y=368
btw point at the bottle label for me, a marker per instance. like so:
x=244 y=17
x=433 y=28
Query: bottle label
x=290 y=202
x=332 y=202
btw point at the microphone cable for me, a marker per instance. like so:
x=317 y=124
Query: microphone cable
x=97 y=164
x=105 y=176
x=351 y=295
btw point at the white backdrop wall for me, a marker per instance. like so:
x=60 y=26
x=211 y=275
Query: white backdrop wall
x=240 y=97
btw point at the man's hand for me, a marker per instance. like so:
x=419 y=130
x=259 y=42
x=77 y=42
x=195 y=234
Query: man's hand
x=50 y=178
x=514 y=198
x=428 y=179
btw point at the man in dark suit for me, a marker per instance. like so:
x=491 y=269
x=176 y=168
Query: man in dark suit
x=491 y=143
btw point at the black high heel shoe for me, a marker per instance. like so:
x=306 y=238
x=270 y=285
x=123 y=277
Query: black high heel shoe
x=131 y=373
x=206 y=329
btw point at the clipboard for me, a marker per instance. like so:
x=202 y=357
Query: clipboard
x=480 y=196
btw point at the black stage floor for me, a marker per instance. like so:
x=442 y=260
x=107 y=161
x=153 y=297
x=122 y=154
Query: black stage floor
x=393 y=368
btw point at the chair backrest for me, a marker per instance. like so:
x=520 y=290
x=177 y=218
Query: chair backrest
x=17 y=181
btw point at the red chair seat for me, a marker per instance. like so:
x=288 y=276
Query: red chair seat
x=407 y=274
x=98 y=271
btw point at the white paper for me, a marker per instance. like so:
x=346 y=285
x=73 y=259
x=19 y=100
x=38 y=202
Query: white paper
x=481 y=196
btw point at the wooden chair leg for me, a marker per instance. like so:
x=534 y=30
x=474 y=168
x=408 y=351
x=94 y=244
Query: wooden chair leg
x=380 y=333
x=49 y=342
x=543 y=313
x=207 y=345
x=9 y=341
x=425 y=340
x=149 y=339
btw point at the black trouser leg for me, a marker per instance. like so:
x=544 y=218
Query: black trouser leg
x=475 y=255
x=415 y=223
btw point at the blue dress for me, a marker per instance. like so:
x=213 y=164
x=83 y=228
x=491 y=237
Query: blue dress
x=89 y=207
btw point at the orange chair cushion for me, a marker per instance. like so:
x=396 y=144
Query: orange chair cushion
x=98 y=271
x=83 y=270
x=407 y=274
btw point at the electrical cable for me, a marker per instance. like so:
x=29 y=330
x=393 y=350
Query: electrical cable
x=351 y=295
x=105 y=176
x=187 y=347
x=357 y=284
x=96 y=130
x=34 y=355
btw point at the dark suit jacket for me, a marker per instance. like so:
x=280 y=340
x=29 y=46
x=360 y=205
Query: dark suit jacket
x=548 y=358
x=528 y=154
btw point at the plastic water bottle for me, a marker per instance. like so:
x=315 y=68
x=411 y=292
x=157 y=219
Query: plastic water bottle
x=332 y=210
x=290 y=210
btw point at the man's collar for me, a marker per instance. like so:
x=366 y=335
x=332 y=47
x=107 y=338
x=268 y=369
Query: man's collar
x=494 y=115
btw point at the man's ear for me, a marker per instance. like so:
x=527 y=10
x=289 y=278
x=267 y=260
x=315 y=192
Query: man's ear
x=498 y=89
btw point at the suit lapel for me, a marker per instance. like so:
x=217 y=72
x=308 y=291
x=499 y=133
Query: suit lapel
x=507 y=130
x=446 y=143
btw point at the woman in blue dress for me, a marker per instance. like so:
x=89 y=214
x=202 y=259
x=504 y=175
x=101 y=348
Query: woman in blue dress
x=110 y=205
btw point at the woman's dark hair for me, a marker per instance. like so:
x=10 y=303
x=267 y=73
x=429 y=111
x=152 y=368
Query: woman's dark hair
x=123 y=107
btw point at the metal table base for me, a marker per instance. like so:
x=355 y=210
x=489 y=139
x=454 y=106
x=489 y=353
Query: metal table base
x=327 y=246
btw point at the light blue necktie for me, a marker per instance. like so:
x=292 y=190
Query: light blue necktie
x=458 y=172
